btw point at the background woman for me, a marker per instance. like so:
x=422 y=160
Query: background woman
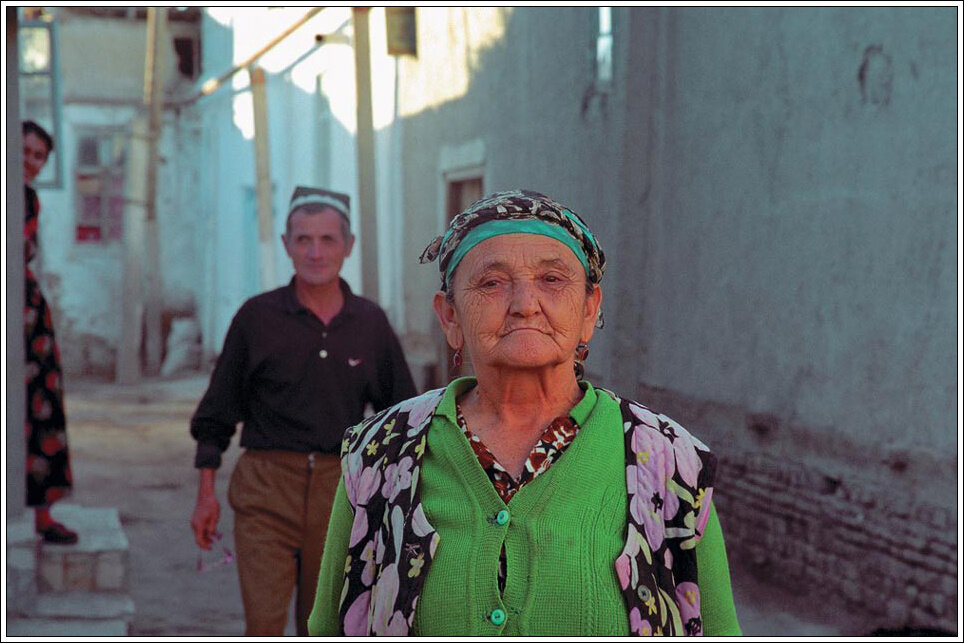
x=48 y=462
x=522 y=501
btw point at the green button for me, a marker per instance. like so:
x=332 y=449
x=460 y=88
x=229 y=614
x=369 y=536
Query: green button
x=497 y=617
x=502 y=517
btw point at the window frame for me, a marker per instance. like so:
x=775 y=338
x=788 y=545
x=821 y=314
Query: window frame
x=100 y=132
x=604 y=82
x=53 y=73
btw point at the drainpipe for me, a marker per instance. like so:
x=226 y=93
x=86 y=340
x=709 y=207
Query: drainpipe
x=135 y=240
x=366 y=154
x=153 y=99
x=262 y=162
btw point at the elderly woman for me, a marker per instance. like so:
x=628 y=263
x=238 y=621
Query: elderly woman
x=522 y=501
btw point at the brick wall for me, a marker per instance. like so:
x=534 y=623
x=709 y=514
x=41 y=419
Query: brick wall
x=881 y=555
x=871 y=545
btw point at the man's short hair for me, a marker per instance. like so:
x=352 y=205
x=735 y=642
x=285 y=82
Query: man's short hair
x=313 y=200
x=32 y=127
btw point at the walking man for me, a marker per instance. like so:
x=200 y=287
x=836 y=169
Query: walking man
x=298 y=367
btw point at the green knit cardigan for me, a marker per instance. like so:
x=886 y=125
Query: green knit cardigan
x=562 y=533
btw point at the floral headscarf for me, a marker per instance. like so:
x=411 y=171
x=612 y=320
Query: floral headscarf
x=515 y=211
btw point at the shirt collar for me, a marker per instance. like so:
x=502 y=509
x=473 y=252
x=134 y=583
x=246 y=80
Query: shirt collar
x=293 y=305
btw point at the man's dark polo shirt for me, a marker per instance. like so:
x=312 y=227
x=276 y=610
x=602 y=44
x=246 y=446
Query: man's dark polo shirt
x=296 y=383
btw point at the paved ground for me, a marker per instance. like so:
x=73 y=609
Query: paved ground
x=131 y=450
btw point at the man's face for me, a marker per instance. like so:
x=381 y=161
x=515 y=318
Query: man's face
x=34 y=156
x=317 y=246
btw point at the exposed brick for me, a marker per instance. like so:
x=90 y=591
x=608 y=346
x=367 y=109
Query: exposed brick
x=851 y=590
x=920 y=618
x=949 y=585
x=79 y=572
x=50 y=574
x=111 y=571
x=873 y=552
x=912 y=592
x=898 y=611
x=934 y=604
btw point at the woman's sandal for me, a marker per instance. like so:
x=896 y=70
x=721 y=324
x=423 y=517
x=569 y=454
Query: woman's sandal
x=58 y=534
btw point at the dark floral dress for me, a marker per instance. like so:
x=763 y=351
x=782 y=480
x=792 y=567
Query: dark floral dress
x=48 y=462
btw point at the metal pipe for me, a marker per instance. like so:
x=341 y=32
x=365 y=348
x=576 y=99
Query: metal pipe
x=211 y=85
x=262 y=162
x=367 y=212
x=153 y=99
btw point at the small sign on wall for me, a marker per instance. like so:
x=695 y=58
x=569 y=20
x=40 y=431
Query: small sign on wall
x=87 y=233
x=401 y=31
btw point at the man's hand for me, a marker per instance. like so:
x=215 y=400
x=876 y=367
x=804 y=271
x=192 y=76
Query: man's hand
x=207 y=511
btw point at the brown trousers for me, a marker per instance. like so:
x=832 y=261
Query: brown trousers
x=282 y=502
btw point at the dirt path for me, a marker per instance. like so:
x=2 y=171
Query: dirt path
x=131 y=450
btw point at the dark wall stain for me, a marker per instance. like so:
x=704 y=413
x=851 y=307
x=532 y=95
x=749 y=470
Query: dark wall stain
x=876 y=76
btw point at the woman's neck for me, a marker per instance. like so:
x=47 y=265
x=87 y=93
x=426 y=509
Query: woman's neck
x=520 y=395
x=509 y=411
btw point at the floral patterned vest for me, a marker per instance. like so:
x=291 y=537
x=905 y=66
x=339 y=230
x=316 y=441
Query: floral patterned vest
x=669 y=476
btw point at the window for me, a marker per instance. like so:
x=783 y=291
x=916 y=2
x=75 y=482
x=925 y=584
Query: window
x=39 y=85
x=460 y=195
x=188 y=52
x=604 y=46
x=99 y=184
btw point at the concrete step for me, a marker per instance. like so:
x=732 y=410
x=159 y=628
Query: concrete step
x=84 y=605
x=21 y=548
x=58 y=628
x=97 y=563
x=73 y=590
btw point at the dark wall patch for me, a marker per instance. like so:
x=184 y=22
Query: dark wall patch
x=876 y=76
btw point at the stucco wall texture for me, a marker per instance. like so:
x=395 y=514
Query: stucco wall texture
x=775 y=189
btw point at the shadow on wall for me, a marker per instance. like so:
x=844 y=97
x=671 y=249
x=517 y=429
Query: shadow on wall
x=807 y=502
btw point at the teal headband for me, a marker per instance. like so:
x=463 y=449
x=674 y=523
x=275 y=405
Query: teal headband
x=510 y=212
x=498 y=227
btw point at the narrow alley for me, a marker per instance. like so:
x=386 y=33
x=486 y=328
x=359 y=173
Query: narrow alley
x=131 y=450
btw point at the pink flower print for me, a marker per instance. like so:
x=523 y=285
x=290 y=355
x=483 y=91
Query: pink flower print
x=361 y=482
x=420 y=524
x=686 y=461
x=368 y=556
x=362 y=488
x=398 y=477
x=702 y=506
x=420 y=409
x=646 y=481
x=638 y=624
x=368 y=483
x=384 y=594
x=356 y=618
x=372 y=556
x=623 y=570
x=359 y=528
x=626 y=568
x=688 y=599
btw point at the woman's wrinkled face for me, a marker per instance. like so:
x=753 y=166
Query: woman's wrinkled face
x=520 y=301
